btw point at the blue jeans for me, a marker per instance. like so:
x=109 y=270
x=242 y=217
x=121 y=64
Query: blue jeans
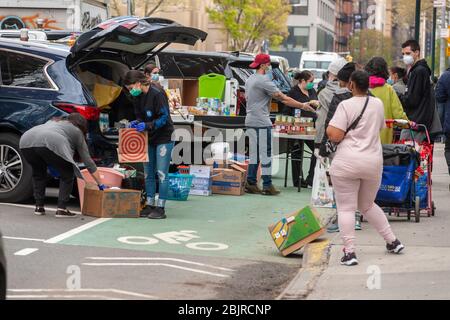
x=159 y=163
x=260 y=143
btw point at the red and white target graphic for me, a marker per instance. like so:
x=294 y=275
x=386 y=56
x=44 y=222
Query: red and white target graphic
x=133 y=146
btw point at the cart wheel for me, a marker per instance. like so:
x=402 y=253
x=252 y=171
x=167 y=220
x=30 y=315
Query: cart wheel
x=417 y=209
x=409 y=215
x=361 y=218
x=433 y=208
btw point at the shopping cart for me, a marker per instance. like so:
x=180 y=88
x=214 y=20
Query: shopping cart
x=406 y=182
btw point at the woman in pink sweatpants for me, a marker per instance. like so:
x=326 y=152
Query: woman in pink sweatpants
x=358 y=164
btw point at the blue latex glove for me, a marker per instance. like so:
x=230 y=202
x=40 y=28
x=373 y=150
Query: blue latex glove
x=141 y=127
x=133 y=124
x=102 y=187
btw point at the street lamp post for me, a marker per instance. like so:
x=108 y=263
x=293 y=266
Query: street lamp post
x=417 y=24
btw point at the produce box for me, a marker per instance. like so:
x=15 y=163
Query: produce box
x=293 y=232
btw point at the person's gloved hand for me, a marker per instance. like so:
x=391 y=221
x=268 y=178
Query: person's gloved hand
x=133 y=124
x=102 y=187
x=141 y=127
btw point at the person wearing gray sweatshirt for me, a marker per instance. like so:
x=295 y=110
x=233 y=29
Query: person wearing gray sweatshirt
x=54 y=144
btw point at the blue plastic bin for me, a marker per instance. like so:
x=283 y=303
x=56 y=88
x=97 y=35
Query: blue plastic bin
x=179 y=186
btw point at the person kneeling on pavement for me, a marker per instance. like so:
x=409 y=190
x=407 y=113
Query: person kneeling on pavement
x=259 y=91
x=54 y=144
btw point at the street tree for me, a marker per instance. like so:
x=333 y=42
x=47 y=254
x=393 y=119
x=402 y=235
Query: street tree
x=249 y=22
x=366 y=44
x=145 y=8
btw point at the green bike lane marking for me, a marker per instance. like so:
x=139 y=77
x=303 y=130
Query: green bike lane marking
x=237 y=222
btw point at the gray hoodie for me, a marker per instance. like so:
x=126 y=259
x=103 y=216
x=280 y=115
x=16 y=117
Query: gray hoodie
x=325 y=97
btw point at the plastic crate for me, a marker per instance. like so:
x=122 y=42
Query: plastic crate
x=179 y=186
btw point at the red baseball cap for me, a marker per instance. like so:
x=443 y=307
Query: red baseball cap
x=260 y=59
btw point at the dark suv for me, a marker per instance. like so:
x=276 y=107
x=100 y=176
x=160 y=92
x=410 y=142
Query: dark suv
x=40 y=81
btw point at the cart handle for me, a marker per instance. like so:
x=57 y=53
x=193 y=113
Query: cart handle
x=409 y=125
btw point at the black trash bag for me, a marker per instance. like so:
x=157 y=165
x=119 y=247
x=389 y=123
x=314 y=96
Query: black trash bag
x=399 y=155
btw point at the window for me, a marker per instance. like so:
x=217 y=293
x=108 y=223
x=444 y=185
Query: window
x=316 y=64
x=298 y=39
x=19 y=70
x=299 y=7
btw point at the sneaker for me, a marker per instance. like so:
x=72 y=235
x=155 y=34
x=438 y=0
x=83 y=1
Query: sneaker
x=270 y=191
x=334 y=227
x=145 y=212
x=395 y=247
x=157 y=213
x=349 y=259
x=358 y=224
x=252 y=188
x=64 y=213
x=39 y=211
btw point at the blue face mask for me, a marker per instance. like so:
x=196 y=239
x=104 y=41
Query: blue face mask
x=155 y=77
x=390 y=81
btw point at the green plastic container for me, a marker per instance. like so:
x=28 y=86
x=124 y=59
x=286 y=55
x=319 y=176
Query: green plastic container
x=212 y=86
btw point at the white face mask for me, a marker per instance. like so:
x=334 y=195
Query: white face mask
x=408 y=60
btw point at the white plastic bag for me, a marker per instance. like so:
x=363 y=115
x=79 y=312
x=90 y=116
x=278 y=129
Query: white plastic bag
x=322 y=192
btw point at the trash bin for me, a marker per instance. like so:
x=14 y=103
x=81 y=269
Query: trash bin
x=108 y=176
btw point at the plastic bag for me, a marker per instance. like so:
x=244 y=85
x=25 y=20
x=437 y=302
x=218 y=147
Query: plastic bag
x=322 y=192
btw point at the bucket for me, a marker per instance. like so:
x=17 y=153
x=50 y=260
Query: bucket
x=108 y=176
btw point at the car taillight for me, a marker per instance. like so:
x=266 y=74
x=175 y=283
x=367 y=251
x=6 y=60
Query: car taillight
x=88 y=112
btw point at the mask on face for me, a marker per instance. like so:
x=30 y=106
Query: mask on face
x=408 y=60
x=390 y=81
x=155 y=77
x=136 y=92
x=309 y=86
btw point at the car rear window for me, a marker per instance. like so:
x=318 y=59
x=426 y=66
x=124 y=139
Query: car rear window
x=18 y=70
x=185 y=66
x=242 y=72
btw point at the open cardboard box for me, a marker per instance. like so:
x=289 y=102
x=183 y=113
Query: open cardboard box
x=229 y=181
x=111 y=203
x=189 y=90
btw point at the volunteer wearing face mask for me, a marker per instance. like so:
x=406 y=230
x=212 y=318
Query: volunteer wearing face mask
x=378 y=71
x=418 y=100
x=153 y=74
x=259 y=92
x=303 y=92
x=153 y=115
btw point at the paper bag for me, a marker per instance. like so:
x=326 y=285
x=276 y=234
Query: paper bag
x=133 y=146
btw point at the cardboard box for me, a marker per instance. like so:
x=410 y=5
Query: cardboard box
x=295 y=231
x=244 y=165
x=221 y=163
x=110 y=203
x=202 y=182
x=188 y=88
x=229 y=181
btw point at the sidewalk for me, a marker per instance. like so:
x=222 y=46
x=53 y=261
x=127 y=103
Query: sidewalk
x=421 y=272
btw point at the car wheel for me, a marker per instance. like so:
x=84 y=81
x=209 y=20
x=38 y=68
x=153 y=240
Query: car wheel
x=2 y=284
x=15 y=173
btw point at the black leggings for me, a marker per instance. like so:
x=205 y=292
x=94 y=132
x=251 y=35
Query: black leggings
x=40 y=159
x=296 y=165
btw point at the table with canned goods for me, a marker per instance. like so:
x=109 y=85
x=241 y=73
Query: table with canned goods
x=291 y=139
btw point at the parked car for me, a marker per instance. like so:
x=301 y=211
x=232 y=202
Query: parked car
x=2 y=271
x=42 y=80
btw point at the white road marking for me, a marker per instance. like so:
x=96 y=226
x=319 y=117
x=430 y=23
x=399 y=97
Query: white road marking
x=57 y=296
x=160 y=259
x=123 y=264
x=24 y=239
x=25 y=252
x=33 y=207
x=77 y=230
x=116 y=291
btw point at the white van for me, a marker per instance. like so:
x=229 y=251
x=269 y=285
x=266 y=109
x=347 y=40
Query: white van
x=317 y=62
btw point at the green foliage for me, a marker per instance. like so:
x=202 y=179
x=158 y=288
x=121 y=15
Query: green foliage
x=249 y=22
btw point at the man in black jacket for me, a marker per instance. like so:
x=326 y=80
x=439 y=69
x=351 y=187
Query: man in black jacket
x=418 y=100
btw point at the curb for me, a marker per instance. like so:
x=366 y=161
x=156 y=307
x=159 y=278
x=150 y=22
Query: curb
x=315 y=260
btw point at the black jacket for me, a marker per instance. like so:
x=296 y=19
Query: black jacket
x=297 y=94
x=153 y=109
x=418 y=100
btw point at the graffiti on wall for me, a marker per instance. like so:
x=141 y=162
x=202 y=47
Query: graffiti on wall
x=89 y=22
x=30 y=22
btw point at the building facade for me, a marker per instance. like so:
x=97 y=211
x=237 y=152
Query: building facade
x=311 y=27
x=344 y=25
x=191 y=13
